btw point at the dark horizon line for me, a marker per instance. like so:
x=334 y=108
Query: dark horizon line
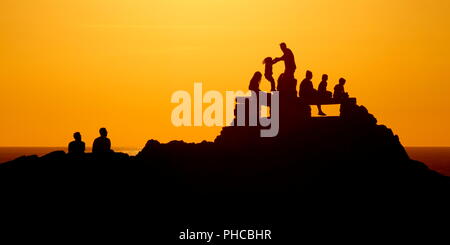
x=133 y=147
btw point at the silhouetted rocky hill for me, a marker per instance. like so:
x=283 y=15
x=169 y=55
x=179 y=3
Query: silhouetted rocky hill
x=330 y=154
x=347 y=154
x=316 y=173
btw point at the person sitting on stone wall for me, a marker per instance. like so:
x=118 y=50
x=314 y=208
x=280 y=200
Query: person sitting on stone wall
x=254 y=82
x=339 y=91
x=306 y=90
x=308 y=93
x=323 y=94
x=322 y=90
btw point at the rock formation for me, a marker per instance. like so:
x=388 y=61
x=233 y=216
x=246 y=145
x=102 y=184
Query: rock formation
x=316 y=173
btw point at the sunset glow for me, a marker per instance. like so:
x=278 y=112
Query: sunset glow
x=79 y=65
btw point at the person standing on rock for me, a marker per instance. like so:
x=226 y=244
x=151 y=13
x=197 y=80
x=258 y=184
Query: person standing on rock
x=289 y=61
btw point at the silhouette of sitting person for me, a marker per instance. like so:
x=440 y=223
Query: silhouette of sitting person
x=289 y=61
x=77 y=146
x=102 y=144
x=254 y=82
x=322 y=90
x=322 y=93
x=339 y=91
x=307 y=91
x=268 y=73
x=287 y=86
x=280 y=83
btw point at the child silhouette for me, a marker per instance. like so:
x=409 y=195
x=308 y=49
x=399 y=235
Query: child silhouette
x=268 y=73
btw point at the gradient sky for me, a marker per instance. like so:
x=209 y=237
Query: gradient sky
x=77 y=65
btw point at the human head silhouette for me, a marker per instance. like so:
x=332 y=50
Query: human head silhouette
x=254 y=82
x=256 y=77
x=309 y=75
x=283 y=46
x=77 y=136
x=267 y=60
x=324 y=77
x=103 y=132
x=341 y=81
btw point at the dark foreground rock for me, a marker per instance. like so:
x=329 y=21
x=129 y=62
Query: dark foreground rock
x=330 y=169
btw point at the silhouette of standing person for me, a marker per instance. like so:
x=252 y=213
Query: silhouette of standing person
x=289 y=61
x=77 y=146
x=102 y=144
x=323 y=93
x=268 y=73
x=339 y=91
x=254 y=82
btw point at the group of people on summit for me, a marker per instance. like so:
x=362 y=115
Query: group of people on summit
x=287 y=82
x=101 y=145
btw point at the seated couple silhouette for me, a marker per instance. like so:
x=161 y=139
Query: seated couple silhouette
x=101 y=145
x=309 y=94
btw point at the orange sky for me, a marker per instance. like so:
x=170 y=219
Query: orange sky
x=78 y=65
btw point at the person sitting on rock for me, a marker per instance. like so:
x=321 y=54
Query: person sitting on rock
x=254 y=82
x=287 y=86
x=308 y=93
x=322 y=90
x=102 y=144
x=77 y=146
x=268 y=73
x=280 y=79
x=323 y=94
x=339 y=91
x=280 y=83
x=306 y=90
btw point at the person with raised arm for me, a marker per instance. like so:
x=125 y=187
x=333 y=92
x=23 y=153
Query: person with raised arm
x=268 y=73
x=289 y=61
